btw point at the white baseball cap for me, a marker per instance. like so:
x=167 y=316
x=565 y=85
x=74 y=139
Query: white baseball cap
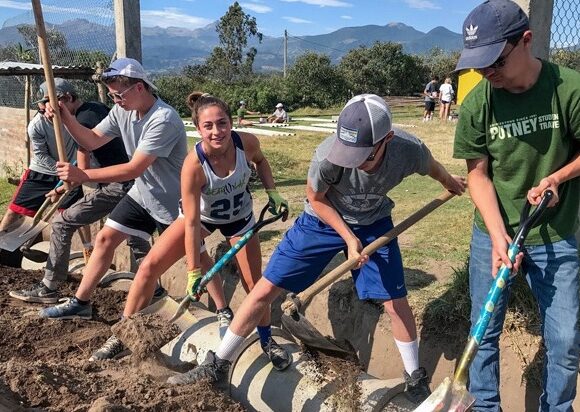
x=129 y=68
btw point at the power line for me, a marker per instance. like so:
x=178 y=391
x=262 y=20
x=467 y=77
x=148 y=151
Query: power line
x=318 y=44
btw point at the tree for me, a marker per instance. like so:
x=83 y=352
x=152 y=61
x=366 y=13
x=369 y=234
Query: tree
x=313 y=81
x=442 y=64
x=382 y=69
x=57 y=44
x=568 y=58
x=227 y=62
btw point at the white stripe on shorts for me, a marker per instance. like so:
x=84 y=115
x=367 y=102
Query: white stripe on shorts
x=127 y=230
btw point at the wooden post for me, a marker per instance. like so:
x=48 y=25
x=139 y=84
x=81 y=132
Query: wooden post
x=27 y=117
x=128 y=28
x=49 y=78
x=100 y=85
x=540 y=15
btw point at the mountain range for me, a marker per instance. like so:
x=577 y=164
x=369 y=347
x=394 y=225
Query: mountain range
x=169 y=49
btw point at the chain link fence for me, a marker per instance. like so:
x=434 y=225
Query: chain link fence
x=565 y=33
x=79 y=34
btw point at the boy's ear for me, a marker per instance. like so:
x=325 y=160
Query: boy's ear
x=389 y=136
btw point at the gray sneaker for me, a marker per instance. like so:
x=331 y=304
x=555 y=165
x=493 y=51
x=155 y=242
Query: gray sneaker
x=38 y=293
x=224 y=317
x=417 y=386
x=159 y=294
x=113 y=348
x=277 y=354
x=69 y=309
x=214 y=369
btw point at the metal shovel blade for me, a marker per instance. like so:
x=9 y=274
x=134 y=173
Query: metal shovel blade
x=450 y=396
x=301 y=328
x=16 y=238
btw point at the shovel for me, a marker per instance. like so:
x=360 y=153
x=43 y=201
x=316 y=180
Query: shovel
x=30 y=229
x=300 y=327
x=226 y=258
x=452 y=394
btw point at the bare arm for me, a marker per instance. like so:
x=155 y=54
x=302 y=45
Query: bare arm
x=117 y=173
x=255 y=155
x=83 y=158
x=90 y=139
x=455 y=184
x=484 y=197
x=192 y=180
x=553 y=181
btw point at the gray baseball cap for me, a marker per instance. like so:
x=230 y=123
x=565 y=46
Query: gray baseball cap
x=61 y=86
x=128 y=67
x=363 y=122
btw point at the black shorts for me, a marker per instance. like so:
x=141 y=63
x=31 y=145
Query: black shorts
x=31 y=191
x=130 y=218
x=237 y=228
x=429 y=106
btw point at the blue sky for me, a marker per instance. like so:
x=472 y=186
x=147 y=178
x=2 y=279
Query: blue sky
x=299 y=17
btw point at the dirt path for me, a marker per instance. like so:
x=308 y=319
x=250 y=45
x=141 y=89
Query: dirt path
x=43 y=363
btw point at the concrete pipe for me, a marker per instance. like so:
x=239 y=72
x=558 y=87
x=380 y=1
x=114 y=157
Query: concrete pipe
x=301 y=387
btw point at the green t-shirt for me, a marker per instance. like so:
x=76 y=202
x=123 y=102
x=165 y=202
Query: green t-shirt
x=241 y=113
x=526 y=137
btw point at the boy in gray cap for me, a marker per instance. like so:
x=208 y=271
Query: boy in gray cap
x=40 y=177
x=346 y=209
x=519 y=131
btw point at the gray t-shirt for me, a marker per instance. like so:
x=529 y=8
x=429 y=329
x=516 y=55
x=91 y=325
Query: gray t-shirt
x=43 y=143
x=159 y=133
x=360 y=197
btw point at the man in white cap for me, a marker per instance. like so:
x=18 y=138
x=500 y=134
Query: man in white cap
x=279 y=115
x=156 y=144
x=41 y=177
x=519 y=132
x=346 y=209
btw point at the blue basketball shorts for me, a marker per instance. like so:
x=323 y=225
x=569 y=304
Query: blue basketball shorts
x=310 y=244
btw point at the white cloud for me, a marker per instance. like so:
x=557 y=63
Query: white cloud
x=422 y=4
x=346 y=17
x=172 y=17
x=322 y=3
x=18 y=5
x=256 y=8
x=296 y=20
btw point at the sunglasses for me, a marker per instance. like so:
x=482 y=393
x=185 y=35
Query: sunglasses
x=120 y=96
x=501 y=60
x=375 y=152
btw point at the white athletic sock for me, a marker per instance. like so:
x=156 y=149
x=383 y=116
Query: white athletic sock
x=229 y=344
x=410 y=354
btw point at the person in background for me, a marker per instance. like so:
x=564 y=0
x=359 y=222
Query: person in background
x=431 y=94
x=242 y=112
x=40 y=178
x=446 y=94
x=519 y=132
x=279 y=115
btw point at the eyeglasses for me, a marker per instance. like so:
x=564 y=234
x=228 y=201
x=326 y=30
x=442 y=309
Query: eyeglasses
x=120 y=96
x=375 y=152
x=501 y=60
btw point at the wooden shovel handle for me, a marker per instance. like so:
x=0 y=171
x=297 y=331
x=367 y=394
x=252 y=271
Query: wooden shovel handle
x=49 y=78
x=305 y=296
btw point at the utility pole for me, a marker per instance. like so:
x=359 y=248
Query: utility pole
x=128 y=28
x=285 y=51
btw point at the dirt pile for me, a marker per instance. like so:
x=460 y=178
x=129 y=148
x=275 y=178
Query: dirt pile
x=44 y=363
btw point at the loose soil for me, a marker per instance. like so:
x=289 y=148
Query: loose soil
x=44 y=363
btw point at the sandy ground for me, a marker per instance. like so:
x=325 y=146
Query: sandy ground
x=44 y=363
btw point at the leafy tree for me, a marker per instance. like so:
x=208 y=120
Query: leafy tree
x=313 y=81
x=382 y=69
x=17 y=53
x=440 y=63
x=227 y=62
x=57 y=44
x=568 y=58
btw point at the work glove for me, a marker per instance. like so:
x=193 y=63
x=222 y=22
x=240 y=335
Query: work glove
x=193 y=280
x=276 y=202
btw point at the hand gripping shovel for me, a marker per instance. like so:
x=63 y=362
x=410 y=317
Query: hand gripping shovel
x=226 y=258
x=29 y=230
x=299 y=326
x=452 y=395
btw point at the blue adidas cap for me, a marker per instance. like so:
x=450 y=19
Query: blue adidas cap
x=486 y=30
